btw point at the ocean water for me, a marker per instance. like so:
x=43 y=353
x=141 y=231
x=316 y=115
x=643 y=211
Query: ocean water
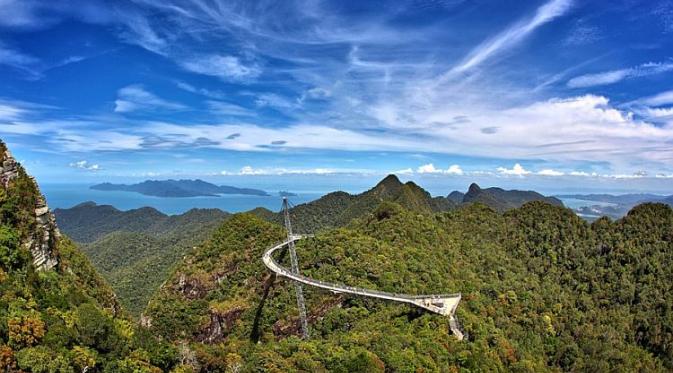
x=69 y=195
x=574 y=203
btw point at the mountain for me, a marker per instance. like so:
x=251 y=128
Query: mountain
x=339 y=208
x=543 y=291
x=500 y=199
x=456 y=197
x=135 y=250
x=56 y=313
x=88 y=222
x=178 y=188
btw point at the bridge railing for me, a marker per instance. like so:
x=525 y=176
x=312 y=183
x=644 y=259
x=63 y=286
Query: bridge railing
x=345 y=288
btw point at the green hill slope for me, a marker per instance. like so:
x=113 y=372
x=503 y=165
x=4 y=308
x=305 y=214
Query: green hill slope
x=88 y=221
x=134 y=250
x=56 y=315
x=542 y=291
x=339 y=208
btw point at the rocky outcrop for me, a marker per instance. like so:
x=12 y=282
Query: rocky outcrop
x=42 y=240
x=220 y=325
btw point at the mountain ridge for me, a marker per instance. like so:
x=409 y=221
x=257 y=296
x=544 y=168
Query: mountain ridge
x=88 y=221
x=501 y=199
x=134 y=250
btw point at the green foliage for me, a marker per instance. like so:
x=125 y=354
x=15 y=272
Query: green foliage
x=542 y=291
x=11 y=254
x=339 y=208
x=135 y=250
x=56 y=320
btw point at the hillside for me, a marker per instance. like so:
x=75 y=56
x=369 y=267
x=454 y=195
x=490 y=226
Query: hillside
x=56 y=313
x=542 y=291
x=339 y=208
x=500 y=199
x=178 y=188
x=134 y=250
x=88 y=222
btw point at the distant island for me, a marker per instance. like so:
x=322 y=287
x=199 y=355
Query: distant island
x=284 y=193
x=178 y=188
x=613 y=206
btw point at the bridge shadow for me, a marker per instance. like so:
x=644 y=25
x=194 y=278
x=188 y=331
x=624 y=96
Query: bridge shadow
x=255 y=333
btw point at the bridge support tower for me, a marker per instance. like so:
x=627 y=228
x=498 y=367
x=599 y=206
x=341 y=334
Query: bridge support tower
x=301 y=305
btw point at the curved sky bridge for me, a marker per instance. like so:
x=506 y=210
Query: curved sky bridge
x=443 y=304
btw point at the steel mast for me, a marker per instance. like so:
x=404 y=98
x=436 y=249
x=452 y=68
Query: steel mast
x=295 y=269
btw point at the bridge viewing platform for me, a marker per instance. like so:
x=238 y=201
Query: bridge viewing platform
x=443 y=304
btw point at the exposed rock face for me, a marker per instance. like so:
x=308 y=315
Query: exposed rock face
x=192 y=288
x=221 y=324
x=43 y=240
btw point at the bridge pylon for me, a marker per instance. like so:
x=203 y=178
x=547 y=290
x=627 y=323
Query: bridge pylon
x=301 y=305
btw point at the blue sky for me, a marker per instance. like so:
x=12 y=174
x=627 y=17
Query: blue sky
x=556 y=94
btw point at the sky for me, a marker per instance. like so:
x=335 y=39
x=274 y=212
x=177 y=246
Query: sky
x=556 y=94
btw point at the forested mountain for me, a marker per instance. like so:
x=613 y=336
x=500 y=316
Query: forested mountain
x=500 y=199
x=88 y=221
x=178 y=188
x=542 y=289
x=338 y=208
x=134 y=250
x=56 y=313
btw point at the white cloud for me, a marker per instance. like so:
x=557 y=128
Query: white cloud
x=581 y=173
x=514 y=34
x=430 y=169
x=274 y=100
x=228 y=109
x=658 y=112
x=614 y=76
x=663 y=98
x=248 y=170
x=85 y=165
x=224 y=67
x=140 y=32
x=316 y=93
x=135 y=97
x=10 y=112
x=517 y=170
x=406 y=171
x=17 y=59
x=86 y=141
x=454 y=170
x=427 y=169
x=218 y=95
x=550 y=172
x=251 y=171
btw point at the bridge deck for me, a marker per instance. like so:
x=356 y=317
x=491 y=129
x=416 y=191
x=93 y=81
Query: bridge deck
x=444 y=304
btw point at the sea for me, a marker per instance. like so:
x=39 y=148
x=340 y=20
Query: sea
x=575 y=203
x=69 y=195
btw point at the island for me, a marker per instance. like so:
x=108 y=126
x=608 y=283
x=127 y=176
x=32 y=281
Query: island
x=285 y=193
x=178 y=188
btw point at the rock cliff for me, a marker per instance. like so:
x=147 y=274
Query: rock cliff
x=41 y=239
